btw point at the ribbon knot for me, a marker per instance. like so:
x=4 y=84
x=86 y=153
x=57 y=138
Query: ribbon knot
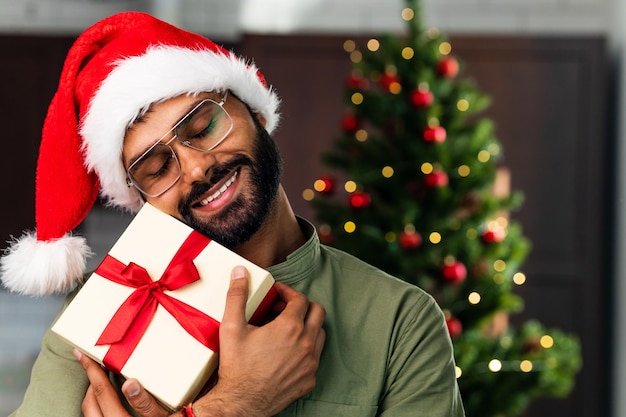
x=130 y=321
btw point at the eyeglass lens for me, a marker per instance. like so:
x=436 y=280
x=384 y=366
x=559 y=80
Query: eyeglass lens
x=202 y=129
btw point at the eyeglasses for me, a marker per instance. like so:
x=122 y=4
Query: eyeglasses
x=202 y=129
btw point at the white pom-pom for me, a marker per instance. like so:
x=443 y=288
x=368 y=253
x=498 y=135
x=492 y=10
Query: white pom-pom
x=39 y=268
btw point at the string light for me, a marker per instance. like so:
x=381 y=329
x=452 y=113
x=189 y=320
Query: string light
x=349 y=45
x=445 y=48
x=361 y=135
x=350 y=186
x=498 y=279
x=495 y=365
x=458 y=372
x=484 y=156
x=474 y=298
x=356 y=56
x=395 y=88
x=435 y=238
x=526 y=366
x=387 y=172
x=546 y=341
x=462 y=105
x=408 y=14
x=349 y=226
x=494 y=149
x=471 y=233
x=519 y=278
x=357 y=98
x=373 y=45
x=499 y=265
x=308 y=194
x=427 y=168
x=408 y=53
x=464 y=170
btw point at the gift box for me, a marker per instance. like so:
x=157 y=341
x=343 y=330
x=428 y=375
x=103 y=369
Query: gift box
x=151 y=310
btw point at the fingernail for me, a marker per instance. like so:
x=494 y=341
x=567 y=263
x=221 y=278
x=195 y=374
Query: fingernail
x=77 y=353
x=133 y=389
x=238 y=272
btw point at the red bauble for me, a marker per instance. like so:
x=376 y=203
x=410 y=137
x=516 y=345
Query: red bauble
x=409 y=240
x=454 y=272
x=455 y=328
x=325 y=185
x=494 y=235
x=386 y=80
x=359 y=200
x=422 y=98
x=435 y=134
x=448 y=67
x=356 y=82
x=350 y=123
x=436 y=179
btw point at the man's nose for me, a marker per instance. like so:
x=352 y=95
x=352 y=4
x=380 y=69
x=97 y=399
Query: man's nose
x=194 y=164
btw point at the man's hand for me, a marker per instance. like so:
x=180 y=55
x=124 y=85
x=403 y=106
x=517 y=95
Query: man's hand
x=264 y=369
x=101 y=399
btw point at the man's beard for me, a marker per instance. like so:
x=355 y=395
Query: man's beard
x=241 y=219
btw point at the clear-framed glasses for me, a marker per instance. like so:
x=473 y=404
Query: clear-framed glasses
x=202 y=129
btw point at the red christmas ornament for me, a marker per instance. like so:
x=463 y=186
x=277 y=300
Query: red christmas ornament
x=448 y=67
x=435 y=134
x=350 y=123
x=422 y=98
x=436 y=179
x=356 y=82
x=454 y=272
x=359 y=200
x=324 y=185
x=455 y=328
x=494 y=235
x=409 y=240
x=386 y=80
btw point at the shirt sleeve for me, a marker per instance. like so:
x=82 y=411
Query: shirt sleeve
x=421 y=372
x=58 y=382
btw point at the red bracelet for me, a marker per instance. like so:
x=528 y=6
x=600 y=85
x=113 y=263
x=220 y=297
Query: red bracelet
x=187 y=411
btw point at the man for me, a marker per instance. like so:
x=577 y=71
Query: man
x=147 y=112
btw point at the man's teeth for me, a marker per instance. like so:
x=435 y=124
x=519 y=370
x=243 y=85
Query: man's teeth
x=220 y=191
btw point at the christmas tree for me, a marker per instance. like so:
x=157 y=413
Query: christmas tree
x=422 y=197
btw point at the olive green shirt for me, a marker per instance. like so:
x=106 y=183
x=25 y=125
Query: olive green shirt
x=387 y=350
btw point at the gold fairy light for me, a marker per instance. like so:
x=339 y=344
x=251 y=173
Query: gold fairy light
x=357 y=98
x=471 y=233
x=407 y=14
x=498 y=279
x=464 y=170
x=499 y=265
x=526 y=365
x=434 y=238
x=484 y=156
x=373 y=45
x=349 y=226
x=474 y=298
x=319 y=185
x=494 y=149
x=546 y=341
x=408 y=53
x=387 y=172
x=308 y=194
x=349 y=45
x=502 y=221
x=445 y=48
x=390 y=237
x=495 y=365
x=361 y=135
x=519 y=278
x=462 y=105
x=356 y=56
x=395 y=88
x=427 y=168
x=350 y=186
x=458 y=372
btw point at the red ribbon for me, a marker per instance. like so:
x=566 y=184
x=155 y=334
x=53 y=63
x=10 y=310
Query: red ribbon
x=129 y=323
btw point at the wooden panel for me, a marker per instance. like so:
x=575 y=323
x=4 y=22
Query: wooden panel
x=549 y=104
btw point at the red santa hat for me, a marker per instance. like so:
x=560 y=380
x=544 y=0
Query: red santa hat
x=114 y=71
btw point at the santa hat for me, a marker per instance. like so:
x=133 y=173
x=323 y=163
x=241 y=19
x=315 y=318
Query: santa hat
x=114 y=71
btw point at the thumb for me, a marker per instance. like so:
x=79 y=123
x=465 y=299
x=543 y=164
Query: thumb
x=237 y=297
x=141 y=400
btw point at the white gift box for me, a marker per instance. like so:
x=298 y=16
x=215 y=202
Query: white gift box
x=167 y=360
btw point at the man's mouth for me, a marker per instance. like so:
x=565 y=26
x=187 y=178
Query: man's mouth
x=219 y=192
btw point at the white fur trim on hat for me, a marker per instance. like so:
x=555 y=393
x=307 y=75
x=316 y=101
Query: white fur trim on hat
x=40 y=268
x=137 y=82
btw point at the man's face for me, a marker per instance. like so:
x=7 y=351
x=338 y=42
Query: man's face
x=226 y=193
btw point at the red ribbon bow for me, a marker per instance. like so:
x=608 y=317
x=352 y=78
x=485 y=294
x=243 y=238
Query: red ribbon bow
x=130 y=321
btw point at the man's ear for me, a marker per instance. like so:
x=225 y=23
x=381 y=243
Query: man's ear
x=261 y=119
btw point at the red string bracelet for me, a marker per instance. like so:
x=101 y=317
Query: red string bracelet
x=187 y=411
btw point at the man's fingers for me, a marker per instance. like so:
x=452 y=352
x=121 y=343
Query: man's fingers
x=237 y=296
x=141 y=400
x=90 y=407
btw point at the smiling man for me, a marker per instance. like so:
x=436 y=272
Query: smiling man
x=146 y=112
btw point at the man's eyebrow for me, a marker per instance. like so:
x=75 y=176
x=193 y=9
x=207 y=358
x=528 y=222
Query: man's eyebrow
x=142 y=119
